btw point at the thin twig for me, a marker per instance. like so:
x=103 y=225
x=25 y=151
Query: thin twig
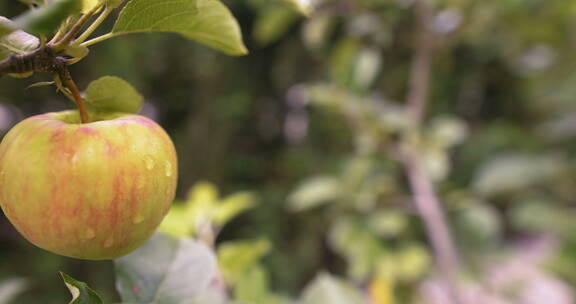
x=61 y=30
x=71 y=34
x=426 y=199
x=94 y=25
x=98 y=39
x=430 y=210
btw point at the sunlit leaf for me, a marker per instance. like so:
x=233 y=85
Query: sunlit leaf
x=206 y=21
x=446 y=131
x=354 y=241
x=513 y=172
x=327 y=289
x=411 y=262
x=232 y=206
x=315 y=192
x=203 y=207
x=178 y=222
x=165 y=270
x=316 y=30
x=381 y=291
x=479 y=226
x=389 y=222
x=272 y=23
x=535 y=216
x=305 y=7
x=238 y=256
x=252 y=287
x=366 y=67
x=87 y=5
x=81 y=293
x=112 y=94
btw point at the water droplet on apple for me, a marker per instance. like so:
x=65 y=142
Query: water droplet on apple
x=140 y=183
x=90 y=234
x=74 y=160
x=139 y=218
x=149 y=162
x=168 y=168
x=109 y=242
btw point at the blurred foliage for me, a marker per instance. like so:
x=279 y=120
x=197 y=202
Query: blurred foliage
x=308 y=121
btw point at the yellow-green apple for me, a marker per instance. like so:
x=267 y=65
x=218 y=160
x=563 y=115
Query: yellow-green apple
x=90 y=191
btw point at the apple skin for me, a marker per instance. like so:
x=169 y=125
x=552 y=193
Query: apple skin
x=90 y=191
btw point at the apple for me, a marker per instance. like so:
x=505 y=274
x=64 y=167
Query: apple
x=89 y=191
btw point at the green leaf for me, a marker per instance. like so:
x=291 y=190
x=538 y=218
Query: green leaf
x=10 y=288
x=178 y=222
x=47 y=18
x=305 y=7
x=232 y=206
x=508 y=173
x=253 y=287
x=113 y=3
x=87 y=5
x=17 y=42
x=76 y=51
x=203 y=208
x=411 y=262
x=165 y=270
x=272 y=23
x=183 y=219
x=354 y=240
x=238 y=256
x=327 y=289
x=81 y=293
x=206 y=21
x=112 y=94
x=315 y=192
x=6 y=26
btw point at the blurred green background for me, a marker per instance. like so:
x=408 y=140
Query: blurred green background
x=306 y=122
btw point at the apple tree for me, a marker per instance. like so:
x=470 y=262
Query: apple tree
x=96 y=182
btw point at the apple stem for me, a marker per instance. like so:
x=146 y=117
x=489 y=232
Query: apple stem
x=67 y=80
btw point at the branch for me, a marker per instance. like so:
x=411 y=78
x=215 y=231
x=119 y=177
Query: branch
x=426 y=199
x=421 y=63
x=40 y=60
x=45 y=60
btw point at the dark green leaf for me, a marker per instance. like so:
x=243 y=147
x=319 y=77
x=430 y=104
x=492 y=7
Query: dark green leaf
x=81 y=293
